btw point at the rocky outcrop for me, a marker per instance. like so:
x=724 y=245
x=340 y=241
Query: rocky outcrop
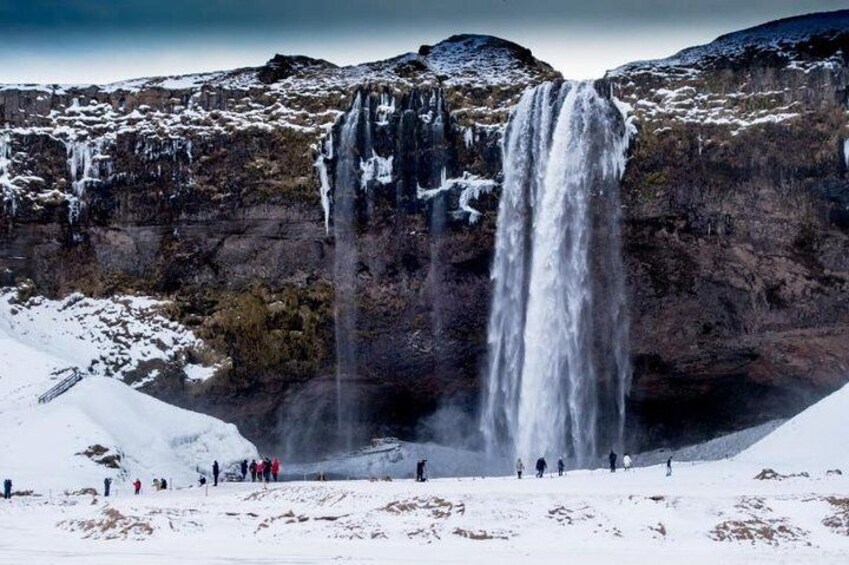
x=216 y=191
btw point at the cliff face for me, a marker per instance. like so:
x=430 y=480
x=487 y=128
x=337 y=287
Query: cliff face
x=216 y=191
x=736 y=200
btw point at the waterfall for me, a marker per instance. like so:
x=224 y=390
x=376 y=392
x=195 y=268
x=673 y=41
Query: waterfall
x=558 y=370
x=8 y=188
x=344 y=272
x=84 y=165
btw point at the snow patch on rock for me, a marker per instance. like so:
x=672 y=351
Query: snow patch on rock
x=111 y=337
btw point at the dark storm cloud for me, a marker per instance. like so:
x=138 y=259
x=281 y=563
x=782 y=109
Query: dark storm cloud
x=102 y=40
x=153 y=15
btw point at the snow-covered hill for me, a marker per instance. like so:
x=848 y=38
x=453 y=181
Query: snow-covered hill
x=790 y=40
x=812 y=441
x=101 y=427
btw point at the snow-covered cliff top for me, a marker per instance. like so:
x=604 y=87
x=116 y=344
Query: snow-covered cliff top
x=782 y=38
x=473 y=60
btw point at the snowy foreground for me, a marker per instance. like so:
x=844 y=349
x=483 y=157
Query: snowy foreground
x=716 y=512
x=709 y=513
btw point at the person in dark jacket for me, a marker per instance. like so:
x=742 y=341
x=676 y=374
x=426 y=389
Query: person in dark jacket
x=561 y=466
x=252 y=468
x=266 y=469
x=163 y=484
x=420 y=470
x=541 y=467
x=215 y=471
x=244 y=469
x=107 y=482
x=669 y=466
x=7 y=489
x=612 y=459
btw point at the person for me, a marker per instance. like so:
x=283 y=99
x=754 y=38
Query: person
x=215 y=471
x=520 y=468
x=266 y=470
x=260 y=472
x=137 y=486
x=420 y=467
x=253 y=469
x=541 y=467
x=626 y=462
x=156 y=485
x=275 y=468
x=669 y=466
x=7 y=489
x=163 y=484
x=561 y=466
x=202 y=480
x=107 y=482
x=244 y=469
x=612 y=458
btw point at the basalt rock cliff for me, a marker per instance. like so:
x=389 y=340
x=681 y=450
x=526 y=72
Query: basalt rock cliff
x=216 y=192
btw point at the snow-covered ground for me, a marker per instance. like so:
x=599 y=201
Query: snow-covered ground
x=717 y=512
x=708 y=513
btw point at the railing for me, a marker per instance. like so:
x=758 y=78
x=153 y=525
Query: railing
x=62 y=386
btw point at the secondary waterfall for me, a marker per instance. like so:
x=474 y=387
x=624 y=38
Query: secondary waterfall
x=558 y=371
x=346 y=185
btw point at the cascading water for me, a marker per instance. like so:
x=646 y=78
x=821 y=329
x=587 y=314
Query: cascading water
x=558 y=369
x=344 y=269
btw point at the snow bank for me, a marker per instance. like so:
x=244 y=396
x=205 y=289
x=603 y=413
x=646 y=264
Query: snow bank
x=811 y=441
x=43 y=446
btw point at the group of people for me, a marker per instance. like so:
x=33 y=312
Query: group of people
x=266 y=470
x=542 y=465
x=626 y=461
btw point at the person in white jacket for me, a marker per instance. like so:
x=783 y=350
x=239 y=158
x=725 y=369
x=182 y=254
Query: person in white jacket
x=520 y=468
x=626 y=462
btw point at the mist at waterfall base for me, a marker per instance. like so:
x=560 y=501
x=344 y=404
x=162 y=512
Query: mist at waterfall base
x=557 y=372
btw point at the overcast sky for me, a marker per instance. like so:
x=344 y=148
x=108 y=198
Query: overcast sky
x=96 y=41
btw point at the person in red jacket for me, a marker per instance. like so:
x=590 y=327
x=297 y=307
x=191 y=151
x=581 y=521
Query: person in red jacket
x=260 y=467
x=275 y=468
x=137 y=486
